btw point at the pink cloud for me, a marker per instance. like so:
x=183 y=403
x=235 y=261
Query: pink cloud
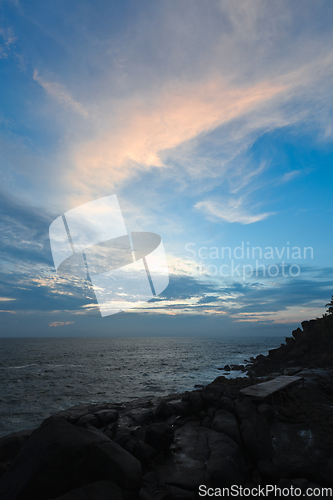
x=143 y=131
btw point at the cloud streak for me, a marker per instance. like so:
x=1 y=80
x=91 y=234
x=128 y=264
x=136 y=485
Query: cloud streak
x=61 y=323
x=60 y=94
x=232 y=210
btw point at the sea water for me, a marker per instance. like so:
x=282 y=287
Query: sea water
x=40 y=376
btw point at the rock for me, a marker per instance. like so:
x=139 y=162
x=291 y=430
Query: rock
x=226 y=403
x=226 y=368
x=102 y=490
x=186 y=396
x=110 y=430
x=88 y=420
x=290 y=341
x=226 y=422
x=185 y=468
x=211 y=412
x=160 y=436
x=155 y=488
x=123 y=438
x=11 y=444
x=225 y=465
x=297 y=334
x=107 y=416
x=143 y=452
x=180 y=494
x=200 y=456
x=207 y=422
x=240 y=368
x=141 y=416
x=2 y=470
x=150 y=479
x=269 y=471
x=265 y=410
x=182 y=408
x=245 y=409
x=296 y=353
x=163 y=411
x=212 y=393
x=308 y=325
x=160 y=492
x=257 y=438
x=74 y=414
x=144 y=495
x=59 y=457
x=196 y=402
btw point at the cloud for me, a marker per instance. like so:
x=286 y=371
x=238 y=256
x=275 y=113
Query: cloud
x=6 y=299
x=8 y=37
x=60 y=94
x=178 y=114
x=290 y=175
x=232 y=210
x=61 y=323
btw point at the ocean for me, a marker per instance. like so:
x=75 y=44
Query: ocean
x=40 y=376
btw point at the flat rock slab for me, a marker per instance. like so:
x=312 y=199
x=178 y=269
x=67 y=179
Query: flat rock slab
x=265 y=389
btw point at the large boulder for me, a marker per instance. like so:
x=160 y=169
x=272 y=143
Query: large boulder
x=59 y=457
x=201 y=456
x=185 y=467
x=257 y=438
x=225 y=465
x=159 y=435
x=226 y=422
x=11 y=444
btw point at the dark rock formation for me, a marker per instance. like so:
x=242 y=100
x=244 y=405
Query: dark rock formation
x=311 y=347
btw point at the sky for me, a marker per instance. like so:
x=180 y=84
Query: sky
x=211 y=120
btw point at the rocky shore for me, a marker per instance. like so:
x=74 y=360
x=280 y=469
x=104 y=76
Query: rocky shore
x=165 y=448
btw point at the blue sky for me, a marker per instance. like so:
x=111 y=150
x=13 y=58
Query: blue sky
x=210 y=120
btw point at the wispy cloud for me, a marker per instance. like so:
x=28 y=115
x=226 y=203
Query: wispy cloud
x=61 y=323
x=177 y=115
x=290 y=175
x=60 y=94
x=8 y=37
x=232 y=210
